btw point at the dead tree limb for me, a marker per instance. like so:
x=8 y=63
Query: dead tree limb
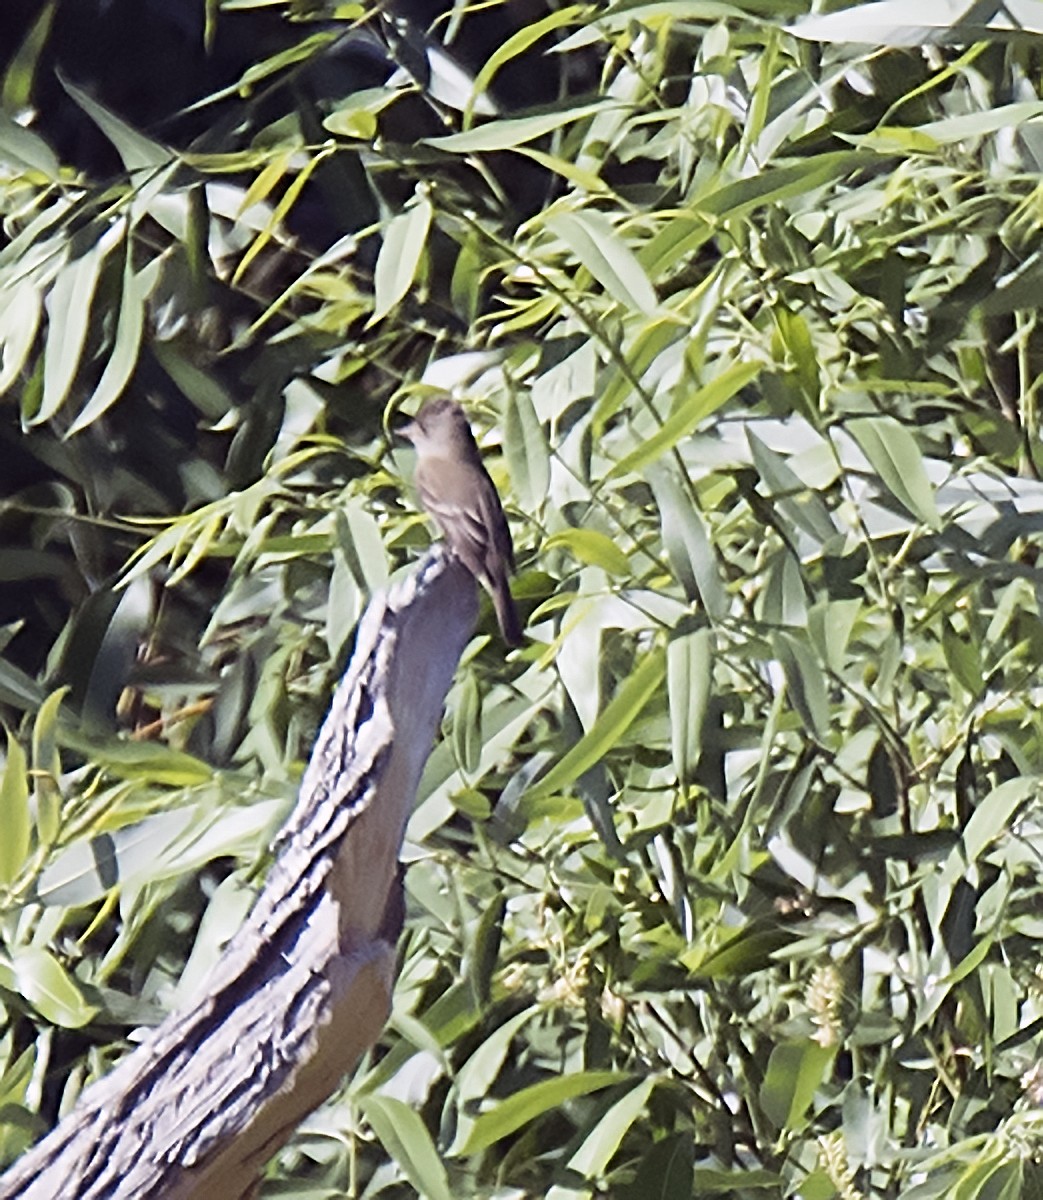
x=304 y=988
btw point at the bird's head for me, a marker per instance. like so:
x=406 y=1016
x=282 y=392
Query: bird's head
x=440 y=428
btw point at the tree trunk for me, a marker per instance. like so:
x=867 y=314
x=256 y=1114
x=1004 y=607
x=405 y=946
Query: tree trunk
x=304 y=988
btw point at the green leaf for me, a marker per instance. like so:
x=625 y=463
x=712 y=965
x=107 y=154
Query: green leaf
x=594 y=242
x=14 y=811
x=978 y=124
x=688 y=544
x=665 y=1172
x=467 y=723
x=516 y=131
x=830 y=624
x=963 y=658
x=47 y=766
x=739 y=199
x=598 y=1147
x=689 y=675
x=592 y=547
x=795 y=1072
x=137 y=286
x=992 y=818
x=404 y=1136
x=536 y=1101
x=356 y=115
x=20 y=147
x=520 y=41
x=280 y=212
x=805 y=682
x=36 y=975
x=655 y=337
x=894 y=455
x=68 y=318
x=528 y=456
x=20 y=312
x=399 y=257
x=484 y=951
x=795 y=501
x=607 y=731
x=138 y=152
x=930 y=22
x=701 y=404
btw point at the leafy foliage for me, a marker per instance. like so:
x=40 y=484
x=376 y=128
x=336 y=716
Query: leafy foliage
x=727 y=883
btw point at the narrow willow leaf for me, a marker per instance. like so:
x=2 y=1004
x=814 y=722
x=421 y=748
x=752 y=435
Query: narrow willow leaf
x=605 y=1138
x=399 y=256
x=535 y=1101
x=930 y=22
x=484 y=950
x=795 y=1073
x=795 y=500
x=978 y=124
x=479 y=1072
x=137 y=286
x=19 y=321
x=687 y=543
x=709 y=1181
x=653 y=339
x=516 y=44
x=606 y=732
x=49 y=988
x=14 y=811
x=894 y=455
x=138 y=152
x=68 y=318
x=357 y=115
x=805 y=682
x=404 y=1136
x=267 y=178
x=665 y=1171
x=689 y=674
x=47 y=766
x=830 y=623
x=599 y=248
x=21 y=147
x=796 y=337
x=279 y=213
x=528 y=456
x=582 y=177
x=687 y=415
x=963 y=658
x=467 y=724
x=200 y=387
x=741 y=197
x=993 y=815
x=502 y=135
x=592 y=547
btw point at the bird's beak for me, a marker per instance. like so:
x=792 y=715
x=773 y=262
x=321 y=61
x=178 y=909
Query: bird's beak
x=407 y=431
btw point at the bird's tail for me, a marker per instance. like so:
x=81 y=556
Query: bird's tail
x=506 y=613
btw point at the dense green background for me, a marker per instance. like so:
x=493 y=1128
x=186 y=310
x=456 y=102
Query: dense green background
x=728 y=882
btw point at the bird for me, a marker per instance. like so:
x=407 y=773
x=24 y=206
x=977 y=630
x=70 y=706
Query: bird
x=457 y=492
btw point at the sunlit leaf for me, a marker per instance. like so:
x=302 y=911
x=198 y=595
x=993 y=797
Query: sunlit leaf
x=697 y=407
x=516 y=131
x=399 y=257
x=896 y=458
x=611 y=724
x=533 y=1102
x=14 y=811
x=407 y=1140
x=606 y=256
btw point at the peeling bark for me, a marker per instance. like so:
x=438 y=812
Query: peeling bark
x=305 y=986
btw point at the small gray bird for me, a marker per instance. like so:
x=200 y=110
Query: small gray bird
x=456 y=490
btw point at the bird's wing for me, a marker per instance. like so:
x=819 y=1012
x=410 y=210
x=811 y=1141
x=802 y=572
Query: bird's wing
x=459 y=503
